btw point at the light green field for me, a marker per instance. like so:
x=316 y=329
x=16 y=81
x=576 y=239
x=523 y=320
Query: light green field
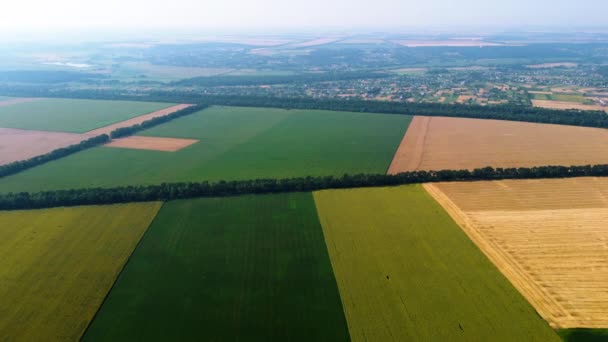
x=407 y=272
x=236 y=143
x=73 y=116
x=250 y=268
x=57 y=265
x=5 y=98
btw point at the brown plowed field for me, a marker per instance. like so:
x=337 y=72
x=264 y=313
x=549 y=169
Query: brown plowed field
x=137 y=120
x=152 y=143
x=438 y=143
x=17 y=144
x=17 y=101
x=548 y=237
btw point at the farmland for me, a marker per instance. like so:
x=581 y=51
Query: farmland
x=18 y=144
x=72 y=116
x=547 y=236
x=234 y=143
x=57 y=265
x=424 y=273
x=439 y=143
x=219 y=269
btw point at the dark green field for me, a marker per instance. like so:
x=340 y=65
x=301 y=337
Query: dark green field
x=236 y=143
x=251 y=268
x=73 y=116
x=584 y=335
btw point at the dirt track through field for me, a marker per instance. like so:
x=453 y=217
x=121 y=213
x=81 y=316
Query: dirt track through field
x=548 y=237
x=17 y=144
x=152 y=143
x=137 y=120
x=17 y=101
x=440 y=143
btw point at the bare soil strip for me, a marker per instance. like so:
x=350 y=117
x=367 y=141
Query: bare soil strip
x=548 y=237
x=566 y=105
x=409 y=153
x=452 y=43
x=152 y=143
x=137 y=120
x=17 y=144
x=17 y=101
x=439 y=143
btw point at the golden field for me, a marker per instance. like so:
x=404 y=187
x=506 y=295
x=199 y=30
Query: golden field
x=549 y=237
x=57 y=265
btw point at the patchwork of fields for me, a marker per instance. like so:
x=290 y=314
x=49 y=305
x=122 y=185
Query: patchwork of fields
x=406 y=272
x=234 y=144
x=57 y=265
x=440 y=143
x=549 y=237
x=54 y=117
x=223 y=269
x=385 y=264
x=72 y=116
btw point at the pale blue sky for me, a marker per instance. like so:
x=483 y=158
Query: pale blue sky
x=260 y=14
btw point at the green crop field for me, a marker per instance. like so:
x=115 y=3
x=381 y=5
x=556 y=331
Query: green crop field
x=407 y=272
x=5 y=98
x=235 y=144
x=72 y=116
x=252 y=268
x=57 y=265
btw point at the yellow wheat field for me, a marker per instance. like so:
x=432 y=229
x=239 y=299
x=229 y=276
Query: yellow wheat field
x=549 y=237
x=57 y=265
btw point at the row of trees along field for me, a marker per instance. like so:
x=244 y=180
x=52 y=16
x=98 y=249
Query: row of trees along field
x=498 y=112
x=175 y=191
x=126 y=131
x=18 y=166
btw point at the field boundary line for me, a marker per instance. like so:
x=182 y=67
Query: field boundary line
x=84 y=331
x=137 y=120
x=417 y=130
x=545 y=304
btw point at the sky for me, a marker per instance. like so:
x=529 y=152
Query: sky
x=263 y=15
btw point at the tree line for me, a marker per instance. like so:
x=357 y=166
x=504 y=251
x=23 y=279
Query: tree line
x=18 y=166
x=174 y=191
x=126 y=131
x=510 y=112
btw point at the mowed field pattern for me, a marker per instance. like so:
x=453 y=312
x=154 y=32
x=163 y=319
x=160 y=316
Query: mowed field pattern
x=406 y=272
x=72 y=116
x=440 y=143
x=251 y=268
x=57 y=265
x=549 y=237
x=234 y=144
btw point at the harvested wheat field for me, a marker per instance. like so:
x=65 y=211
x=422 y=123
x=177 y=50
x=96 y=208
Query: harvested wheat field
x=11 y=102
x=549 y=237
x=137 y=120
x=566 y=105
x=439 y=143
x=152 y=143
x=17 y=144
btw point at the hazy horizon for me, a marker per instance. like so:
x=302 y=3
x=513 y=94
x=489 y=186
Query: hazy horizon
x=263 y=15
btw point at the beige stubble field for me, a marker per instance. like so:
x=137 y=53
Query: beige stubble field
x=151 y=143
x=440 y=143
x=17 y=144
x=549 y=238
